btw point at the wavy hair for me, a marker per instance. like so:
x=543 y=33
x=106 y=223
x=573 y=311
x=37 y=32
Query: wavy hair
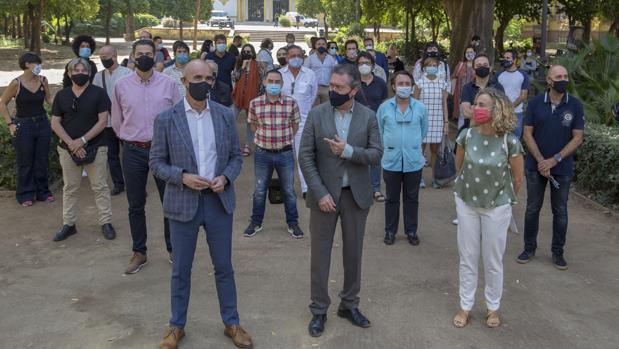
x=504 y=118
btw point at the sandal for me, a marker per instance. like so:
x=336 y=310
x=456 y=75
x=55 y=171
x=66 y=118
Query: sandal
x=461 y=319
x=50 y=199
x=492 y=319
x=246 y=151
x=27 y=203
x=379 y=197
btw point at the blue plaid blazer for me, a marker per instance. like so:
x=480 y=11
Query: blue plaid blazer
x=172 y=153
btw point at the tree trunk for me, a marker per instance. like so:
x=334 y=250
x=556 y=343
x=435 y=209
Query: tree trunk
x=195 y=25
x=499 y=36
x=406 y=32
x=614 y=28
x=68 y=26
x=326 y=27
x=586 y=35
x=469 y=18
x=129 y=22
x=27 y=26
x=180 y=29
x=15 y=26
x=108 y=20
x=36 y=27
x=57 y=35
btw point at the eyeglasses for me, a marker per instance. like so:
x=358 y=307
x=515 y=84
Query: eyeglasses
x=75 y=104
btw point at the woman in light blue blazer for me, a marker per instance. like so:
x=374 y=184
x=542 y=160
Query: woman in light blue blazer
x=403 y=123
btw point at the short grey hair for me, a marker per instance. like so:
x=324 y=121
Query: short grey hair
x=77 y=61
x=213 y=65
x=354 y=77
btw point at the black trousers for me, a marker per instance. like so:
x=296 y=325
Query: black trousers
x=406 y=183
x=32 y=143
x=113 y=158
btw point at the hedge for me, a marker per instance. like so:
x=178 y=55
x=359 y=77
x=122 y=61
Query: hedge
x=597 y=164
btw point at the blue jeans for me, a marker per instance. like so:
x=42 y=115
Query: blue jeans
x=218 y=226
x=519 y=127
x=32 y=142
x=135 y=170
x=536 y=187
x=264 y=164
x=375 y=172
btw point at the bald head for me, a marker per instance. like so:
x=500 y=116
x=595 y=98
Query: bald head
x=197 y=67
x=197 y=72
x=557 y=72
x=108 y=51
x=109 y=57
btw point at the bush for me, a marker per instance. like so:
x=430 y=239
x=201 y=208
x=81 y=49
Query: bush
x=597 y=164
x=284 y=22
x=142 y=20
x=168 y=22
x=8 y=164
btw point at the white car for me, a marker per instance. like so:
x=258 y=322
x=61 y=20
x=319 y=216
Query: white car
x=220 y=19
x=306 y=21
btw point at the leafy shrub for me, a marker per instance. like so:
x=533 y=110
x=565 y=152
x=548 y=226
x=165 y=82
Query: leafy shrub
x=142 y=20
x=8 y=163
x=595 y=77
x=597 y=164
x=168 y=22
x=284 y=21
x=355 y=29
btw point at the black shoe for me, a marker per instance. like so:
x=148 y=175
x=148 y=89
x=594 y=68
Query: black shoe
x=304 y=195
x=252 y=229
x=413 y=239
x=65 y=232
x=295 y=231
x=559 y=262
x=389 y=238
x=108 y=231
x=317 y=325
x=117 y=191
x=525 y=257
x=354 y=316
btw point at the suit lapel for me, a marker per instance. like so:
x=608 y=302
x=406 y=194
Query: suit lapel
x=328 y=120
x=180 y=120
x=219 y=126
x=357 y=123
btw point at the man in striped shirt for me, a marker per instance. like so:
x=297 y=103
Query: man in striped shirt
x=274 y=118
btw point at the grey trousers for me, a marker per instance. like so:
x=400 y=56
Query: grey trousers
x=322 y=230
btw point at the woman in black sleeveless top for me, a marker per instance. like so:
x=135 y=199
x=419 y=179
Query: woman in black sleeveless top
x=30 y=130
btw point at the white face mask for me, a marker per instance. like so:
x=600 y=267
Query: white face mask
x=36 y=70
x=403 y=91
x=365 y=69
x=369 y=47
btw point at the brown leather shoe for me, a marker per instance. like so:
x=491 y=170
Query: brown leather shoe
x=137 y=262
x=171 y=338
x=240 y=338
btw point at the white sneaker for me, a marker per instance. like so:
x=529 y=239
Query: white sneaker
x=455 y=221
x=422 y=184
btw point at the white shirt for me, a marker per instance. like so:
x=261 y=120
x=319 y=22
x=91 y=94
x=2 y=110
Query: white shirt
x=513 y=84
x=110 y=82
x=203 y=139
x=176 y=73
x=443 y=73
x=305 y=88
x=322 y=69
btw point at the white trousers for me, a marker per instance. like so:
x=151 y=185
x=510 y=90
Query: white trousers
x=481 y=232
x=297 y=142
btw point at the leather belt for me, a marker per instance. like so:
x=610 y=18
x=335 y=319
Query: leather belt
x=277 y=151
x=346 y=187
x=206 y=191
x=143 y=145
x=31 y=118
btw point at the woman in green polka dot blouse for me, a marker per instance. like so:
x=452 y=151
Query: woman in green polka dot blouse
x=490 y=168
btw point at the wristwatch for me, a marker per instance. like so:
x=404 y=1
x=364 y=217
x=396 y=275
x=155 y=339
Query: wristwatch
x=558 y=157
x=84 y=140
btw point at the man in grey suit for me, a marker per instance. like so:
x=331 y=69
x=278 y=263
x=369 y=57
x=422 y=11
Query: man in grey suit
x=340 y=142
x=195 y=150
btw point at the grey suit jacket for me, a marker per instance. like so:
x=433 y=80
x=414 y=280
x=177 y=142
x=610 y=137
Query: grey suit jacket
x=323 y=170
x=172 y=153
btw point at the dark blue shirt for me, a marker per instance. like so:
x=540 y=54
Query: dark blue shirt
x=469 y=91
x=552 y=129
x=374 y=94
x=225 y=66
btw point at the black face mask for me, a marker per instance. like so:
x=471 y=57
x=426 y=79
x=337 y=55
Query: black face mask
x=80 y=79
x=144 y=63
x=199 y=90
x=107 y=62
x=560 y=85
x=245 y=56
x=482 y=72
x=433 y=54
x=282 y=61
x=337 y=99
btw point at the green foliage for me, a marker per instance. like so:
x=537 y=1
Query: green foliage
x=8 y=162
x=355 y=29
x=596 y=169
x=595 y=77
x=284 y=21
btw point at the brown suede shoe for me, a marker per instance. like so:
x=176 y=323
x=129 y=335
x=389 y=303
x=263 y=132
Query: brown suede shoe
x=240 y=338
x=137 y=262
x=171 y=338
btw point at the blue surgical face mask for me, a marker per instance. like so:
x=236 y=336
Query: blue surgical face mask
x=221 y=47
x=295 y=62
x=403 y=91
x=36 y=70
x=274 y=89
x=431 y=70
x=85 y=52
x=333 y=51
x=182 y=58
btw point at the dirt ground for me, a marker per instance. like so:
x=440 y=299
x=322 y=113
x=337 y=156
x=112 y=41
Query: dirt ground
x=73 y=294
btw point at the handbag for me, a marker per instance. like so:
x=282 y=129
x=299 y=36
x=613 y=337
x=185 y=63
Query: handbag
x=91 y=154
x=445 y=170
x=275 y=192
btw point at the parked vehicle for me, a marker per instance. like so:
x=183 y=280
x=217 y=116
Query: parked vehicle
x=305 y=21
x=220 y=19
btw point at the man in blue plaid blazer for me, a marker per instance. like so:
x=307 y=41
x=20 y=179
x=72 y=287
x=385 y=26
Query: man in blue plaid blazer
x=195 y=150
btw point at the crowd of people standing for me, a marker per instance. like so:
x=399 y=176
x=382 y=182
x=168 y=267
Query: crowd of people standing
x=330 y=117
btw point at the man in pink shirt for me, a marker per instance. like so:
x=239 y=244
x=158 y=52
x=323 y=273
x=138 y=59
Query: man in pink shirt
x=138 y=99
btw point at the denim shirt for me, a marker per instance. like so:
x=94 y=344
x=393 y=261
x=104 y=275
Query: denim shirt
x=402 y=135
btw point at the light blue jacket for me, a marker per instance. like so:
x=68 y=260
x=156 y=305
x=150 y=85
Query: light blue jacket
x=402 y=135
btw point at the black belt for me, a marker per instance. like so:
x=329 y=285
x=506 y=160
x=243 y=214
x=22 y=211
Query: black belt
x=206 y=191
x=346 y=187
x=31 y=118
x=277 y=151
